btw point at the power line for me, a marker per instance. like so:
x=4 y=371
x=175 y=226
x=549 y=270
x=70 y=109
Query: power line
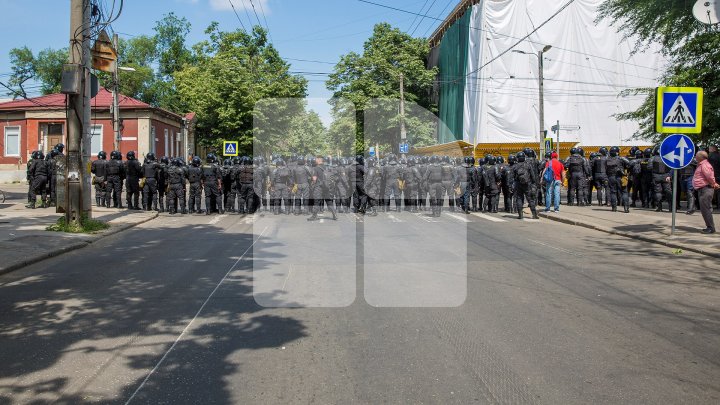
x=247 y=13
x=415 y=19
x=307 y=60
x=508 y=36
x=423 y=18
x=439 y=15
x=523 y=38
x=265 y=19
x=256 y=14
x=237 y=15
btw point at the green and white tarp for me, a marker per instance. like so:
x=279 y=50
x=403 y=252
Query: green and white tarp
x=483 y=99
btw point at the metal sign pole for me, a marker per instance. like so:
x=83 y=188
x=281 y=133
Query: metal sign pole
x=674 y=201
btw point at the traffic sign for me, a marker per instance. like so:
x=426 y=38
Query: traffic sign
x=230 y=148
x=548 y=144
x=678 y=110
x=372 y=151
x=404 y=148
x=677 y=151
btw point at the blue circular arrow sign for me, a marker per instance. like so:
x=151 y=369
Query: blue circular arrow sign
x=677 y=151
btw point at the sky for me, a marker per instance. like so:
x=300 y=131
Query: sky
x=316 y=31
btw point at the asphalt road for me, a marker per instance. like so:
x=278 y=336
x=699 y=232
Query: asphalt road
x=400 y=308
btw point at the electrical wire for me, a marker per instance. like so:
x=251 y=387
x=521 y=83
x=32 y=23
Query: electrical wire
x=423 y=18
x=237 y=15
x=416 y=16
x=267 y=27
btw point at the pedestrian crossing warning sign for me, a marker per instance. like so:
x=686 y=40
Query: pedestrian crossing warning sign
x=679 y=110
x=230 y=148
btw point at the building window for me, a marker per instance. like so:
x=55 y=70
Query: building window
x=96 y=139
x=12 y=141
x=55 y=129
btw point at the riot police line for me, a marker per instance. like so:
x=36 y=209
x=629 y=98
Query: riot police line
x=307 y=185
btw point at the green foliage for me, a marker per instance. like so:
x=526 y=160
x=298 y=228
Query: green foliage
x=170 y=34
x=231 y=73
x=45 y=68
x=692 y=49
x=387 y=54
x=307 y=135
x=87 y=225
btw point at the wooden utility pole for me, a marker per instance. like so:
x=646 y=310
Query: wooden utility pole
x=78 y=115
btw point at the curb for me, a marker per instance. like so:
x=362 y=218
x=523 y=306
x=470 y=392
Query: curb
x=670 y=244
x=73 y=246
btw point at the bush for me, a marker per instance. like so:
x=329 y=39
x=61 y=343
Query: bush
x=87 y=225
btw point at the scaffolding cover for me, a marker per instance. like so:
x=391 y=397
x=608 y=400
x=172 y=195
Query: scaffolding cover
x=587 y=67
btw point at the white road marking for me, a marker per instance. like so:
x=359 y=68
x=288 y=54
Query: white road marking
x=217 y=219
x=162 y=359
x=395 y=219
x=287 y=278
x=537 y=242
x=459 y=218
x=488 y=217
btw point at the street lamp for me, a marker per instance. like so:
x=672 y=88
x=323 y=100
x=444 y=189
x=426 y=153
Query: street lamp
x=541 y=68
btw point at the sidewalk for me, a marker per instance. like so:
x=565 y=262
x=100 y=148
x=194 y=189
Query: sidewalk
x=644 y=224
x=24 y=240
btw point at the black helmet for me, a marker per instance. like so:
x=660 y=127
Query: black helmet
x=614 y=151
x=102 y=155
x=54 y=153
x=633 y=151
x=150 y=157
x=280 y=162
x=491 y=160
x=529 y=152
x=115 y=155
x=638 y=153
x=520 y=157
x=581 y=151
x=548 y=155
x=435 y=159
x=34 y=154
x=40 y=155
x=511 y=159
x=500 y=159
x=210 y=158
x=574 y=151
x=311 y=161
x=604 y=151
x=647 y=153
x=165 y=160
x=177 y=162
x=446 y=159
x=196 y=161
x=656 y=151
x=130 y=155
x=60 y=147
x=227 y=162
x=48 y=156
x=236 y=160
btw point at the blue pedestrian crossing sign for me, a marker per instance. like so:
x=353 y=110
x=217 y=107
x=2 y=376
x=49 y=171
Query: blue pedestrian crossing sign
x=677 y=151
x=372 y=151
x=230 y=148
x=404 y=148
x=678 y=110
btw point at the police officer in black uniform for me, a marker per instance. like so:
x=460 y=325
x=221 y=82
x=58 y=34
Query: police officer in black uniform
x=151 y=171
x=99 y=169
x=195 y=178
x=525 y=179
x=211 y=180
x=576 y=183
x=599 y=175
x=39 y=174
x=662 y=185
x=616 y=168
x=115 y=177
x=176 y=187
x=133 y=170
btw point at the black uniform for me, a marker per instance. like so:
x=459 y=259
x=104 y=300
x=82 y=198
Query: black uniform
x=600 y=179
x=99 y=169
x=661 y=187
x=176 y=185
x=115 y=177
x=211 y=176
x=525 y=182
x=195 y=179
x=434 y=180
x=39 y=172
x=576 y=184
x=616 y=170
x=134 y=173
x=321 y=186
x=246 y=194
x=302 y=176
x=151 y=172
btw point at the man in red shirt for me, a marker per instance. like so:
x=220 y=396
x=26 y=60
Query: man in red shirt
x=705 y=184
x=552 y=193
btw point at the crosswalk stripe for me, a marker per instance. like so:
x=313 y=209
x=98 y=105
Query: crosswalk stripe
x=488 y=217
x=459 y=217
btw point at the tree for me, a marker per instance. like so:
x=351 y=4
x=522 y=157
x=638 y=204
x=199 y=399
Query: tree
x=387 y=54
x=45 y=69
x=307 y=135
x=692 y=50
x=232 y=72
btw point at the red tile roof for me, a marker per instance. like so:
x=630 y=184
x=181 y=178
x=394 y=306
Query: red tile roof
x=103 y=100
